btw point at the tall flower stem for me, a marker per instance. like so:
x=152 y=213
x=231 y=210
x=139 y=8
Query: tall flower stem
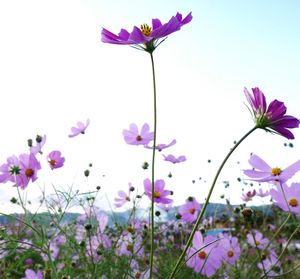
x=189 y=241
x=153 y=166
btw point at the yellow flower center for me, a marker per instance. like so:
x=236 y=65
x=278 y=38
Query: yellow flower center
x=192 y=210
x=146 y=29
x=257 y=242
x=127 y=198
x=276 y=171
x=230 y=254
x=157 y=195
x=52 y=162
x=138 y=275
x=202 y=255
x=29 y=172
x=293 y=202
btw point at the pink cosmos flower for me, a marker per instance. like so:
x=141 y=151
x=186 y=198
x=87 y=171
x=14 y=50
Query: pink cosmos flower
x=11 y=170
x=31 y=274
x=248 y=196
x=291 y=195
x=160 y=194
x=262 y=172
x=161 y=146
x=189 y=211
x=205 y=260
x=80 y=129
x=123 y=197
x=55 y=160
x=173 y=159
x=271 y=118
x=232 y=250
x=146 y=37
x=128 y=246
x=269 y=263
x=262 y=194
x=132 y=136
x=257 y=240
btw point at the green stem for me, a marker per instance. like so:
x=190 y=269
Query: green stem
x=152 y=170
x=175 y=269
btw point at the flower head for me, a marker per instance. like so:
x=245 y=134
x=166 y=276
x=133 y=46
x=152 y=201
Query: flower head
x=271 y=118
x=11 y=170
x=256 y=239
x=204 y=256
x=189 y=211
x=171 y=158
x=123 y=197
x=20 y=170
x=160 y=194
x=161 y=146
x=55 y=160
x=271 y=264
x=262 y=172
x=31 y=274
x=146 y=37
x=29 y=167
x=232 y=250
x=80 y=129
x=291 y=196
x=248 y=196
x=134 y=137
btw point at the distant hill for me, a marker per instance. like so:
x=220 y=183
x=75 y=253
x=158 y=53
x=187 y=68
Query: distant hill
x=216 y=210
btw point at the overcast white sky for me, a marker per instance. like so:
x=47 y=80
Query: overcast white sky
x=55 y=71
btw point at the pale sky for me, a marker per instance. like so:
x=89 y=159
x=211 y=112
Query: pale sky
x=55 y=71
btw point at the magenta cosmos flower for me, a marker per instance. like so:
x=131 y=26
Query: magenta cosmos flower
x=291 y=196
x=262 y=172
x=55 y=160
x=146 y=37
x=160 y=194
x=171 y=158
x=134 y=137
x=248 y=196
x=80 y=129
x=271 y=118
x=189 y=211
x=204 y=259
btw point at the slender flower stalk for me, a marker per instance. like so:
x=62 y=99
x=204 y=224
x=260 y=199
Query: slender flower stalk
x=189 y=241
x=153 y=164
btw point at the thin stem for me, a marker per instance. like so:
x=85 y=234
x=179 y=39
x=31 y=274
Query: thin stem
x=153 y=165
x=207 y=202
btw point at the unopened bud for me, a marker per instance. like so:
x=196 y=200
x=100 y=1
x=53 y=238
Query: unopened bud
x=247 y=212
